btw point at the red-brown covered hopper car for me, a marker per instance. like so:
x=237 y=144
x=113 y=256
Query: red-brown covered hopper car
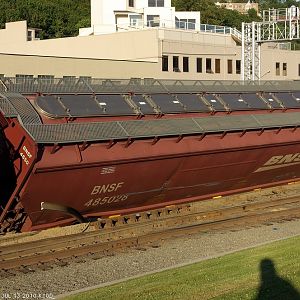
x=100 y=147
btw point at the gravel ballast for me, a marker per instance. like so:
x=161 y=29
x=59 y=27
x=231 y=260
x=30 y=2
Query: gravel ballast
x=184 y=250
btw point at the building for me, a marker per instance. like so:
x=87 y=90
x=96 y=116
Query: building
x=123 y=15
x=240 y=7
x=165 y=51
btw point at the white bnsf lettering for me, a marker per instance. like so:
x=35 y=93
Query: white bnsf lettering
x=29 y=155
x=106 y=200
x=290 y=158
x=106 y=188
x=273 y=160
x=283 y=159
x=280 y=161
x=23 y=156
x=108 y=170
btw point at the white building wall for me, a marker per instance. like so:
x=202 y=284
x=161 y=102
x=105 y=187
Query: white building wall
x=103 y=18
x=166 y=15
x=102 y=11
x=96 y=8
x=105 y=14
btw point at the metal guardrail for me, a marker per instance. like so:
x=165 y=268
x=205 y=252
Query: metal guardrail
x=281 y=14
x=140 y=86
x=221 y=30
x=127 y=129
x=135 y=129
x=182 y=25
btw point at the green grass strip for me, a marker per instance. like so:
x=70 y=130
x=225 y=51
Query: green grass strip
x=269 y=272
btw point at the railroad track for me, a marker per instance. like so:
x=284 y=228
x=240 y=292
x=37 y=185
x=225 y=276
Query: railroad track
x=141 y=231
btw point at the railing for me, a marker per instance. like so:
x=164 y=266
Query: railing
x=281 y=14
x=183 y=25
x=281 y=46
x=221 y=30
x=139 y=85
x=236 y=33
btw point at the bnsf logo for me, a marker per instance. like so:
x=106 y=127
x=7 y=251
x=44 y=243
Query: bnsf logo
x=280 y=161
x=283 y=159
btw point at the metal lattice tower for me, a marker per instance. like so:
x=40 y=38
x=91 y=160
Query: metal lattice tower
x=278 y=25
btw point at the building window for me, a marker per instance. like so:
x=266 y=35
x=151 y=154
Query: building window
x=298 y=69
x=153 y=20
x=185 y=23
x=135 y=20
x=180 y=23
x=284 y=69
x=278 y=69
x=185 y=64
x=217 y=66
x=176 y=64
x=29 y=35
x=229 y=66
x=238 y=67
x=208 y=65
x=131 y=3
x=191 y=23
x=199 y=65
x=32 y=34
x=165 y=63
x=156 y=3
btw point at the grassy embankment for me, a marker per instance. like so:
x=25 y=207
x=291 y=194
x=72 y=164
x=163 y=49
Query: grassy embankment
x=235 y=276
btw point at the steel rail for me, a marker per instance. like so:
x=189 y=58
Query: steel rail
x=139 y=234
x=165 y=219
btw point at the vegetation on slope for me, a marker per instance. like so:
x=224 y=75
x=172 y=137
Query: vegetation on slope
x=56 y=18
x=211 y=14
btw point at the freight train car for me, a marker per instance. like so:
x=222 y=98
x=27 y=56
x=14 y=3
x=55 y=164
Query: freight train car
x=94 y=148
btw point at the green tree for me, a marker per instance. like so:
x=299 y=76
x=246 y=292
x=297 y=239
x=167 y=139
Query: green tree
x=212 y=14
x=55 y=18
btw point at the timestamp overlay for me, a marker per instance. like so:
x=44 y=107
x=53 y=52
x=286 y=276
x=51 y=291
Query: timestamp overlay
x=26 y=295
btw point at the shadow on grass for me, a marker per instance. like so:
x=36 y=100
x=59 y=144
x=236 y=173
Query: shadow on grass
x=272 y=287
